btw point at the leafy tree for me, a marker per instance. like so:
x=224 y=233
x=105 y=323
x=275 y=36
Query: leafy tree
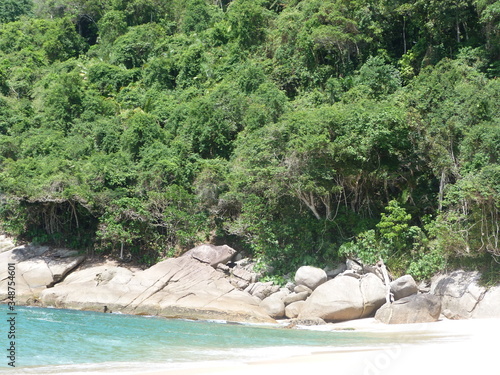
x=133 y=48
x=382 y=79
x=59 y=100
x=141 y=130
x=247 y=22
x=198 y=16
x=11 y=10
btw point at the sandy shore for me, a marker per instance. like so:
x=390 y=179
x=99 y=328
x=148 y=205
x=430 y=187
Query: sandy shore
x=447 y=347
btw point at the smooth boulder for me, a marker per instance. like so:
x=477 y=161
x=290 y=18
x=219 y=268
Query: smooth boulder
x=274 y=306
x=211 y=254
x=403 y=287
x=345 y=298
x=312 y=277
x=418 y=308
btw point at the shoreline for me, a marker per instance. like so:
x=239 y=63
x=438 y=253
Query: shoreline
x=447 y=344
x=452 y=346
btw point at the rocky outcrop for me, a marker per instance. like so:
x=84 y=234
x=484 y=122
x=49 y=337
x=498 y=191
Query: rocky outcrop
x=211 y=254
x=203 y=284
x=178 y=287
x=460 y=293
x=418 y=308
x=37 y=269
x=403 y=287
x=489 y=306
x=345 y=298
x=262 y=290
x=311 y=277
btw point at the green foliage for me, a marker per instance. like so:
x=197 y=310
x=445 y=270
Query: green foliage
x=198 y=16
x=134 y=48
x=299 y=132
x=382 y=79
x=247 y=21
x=11 y=10
x=404 y=248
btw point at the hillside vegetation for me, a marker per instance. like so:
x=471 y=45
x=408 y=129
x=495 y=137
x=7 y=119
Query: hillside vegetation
x=301 y=132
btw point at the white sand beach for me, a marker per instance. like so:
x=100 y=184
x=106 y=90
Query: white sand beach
x=451 y=347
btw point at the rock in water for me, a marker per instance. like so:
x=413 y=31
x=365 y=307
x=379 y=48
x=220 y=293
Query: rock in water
x=311 y=277
x=211 y=254
x=418 y=308
x=403 y=287
x=345 y=298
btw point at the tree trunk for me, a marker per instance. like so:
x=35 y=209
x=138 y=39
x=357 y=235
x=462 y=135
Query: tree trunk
x=441 y=190
x=389 y=297
x=404 y=35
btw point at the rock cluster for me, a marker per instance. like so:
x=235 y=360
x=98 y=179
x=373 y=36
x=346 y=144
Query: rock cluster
x=208 y=282
x=463 y=297
x=37 y=268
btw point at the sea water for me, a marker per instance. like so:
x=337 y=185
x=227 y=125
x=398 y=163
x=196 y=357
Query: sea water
x=69 y=341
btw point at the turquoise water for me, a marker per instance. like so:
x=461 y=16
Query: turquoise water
x=54 y=340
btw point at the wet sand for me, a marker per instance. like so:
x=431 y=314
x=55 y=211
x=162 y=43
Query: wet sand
x=447 y=347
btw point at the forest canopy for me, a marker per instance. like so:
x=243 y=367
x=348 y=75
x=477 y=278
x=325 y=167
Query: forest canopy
x=297 y=131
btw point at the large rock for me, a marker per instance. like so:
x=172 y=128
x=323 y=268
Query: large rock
x=418 y=308
x=403 y=287
x=460 y=293
x=175 y=288
x=274 y=306
x=489 y=306
x=35 y=270
x=211 y=254
x=22 y=253
x=293 y=310
x=311 y=277
x=345 y=298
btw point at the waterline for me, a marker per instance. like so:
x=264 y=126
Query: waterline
x=68 y=341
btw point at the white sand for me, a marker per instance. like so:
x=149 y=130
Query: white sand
x=451 y=347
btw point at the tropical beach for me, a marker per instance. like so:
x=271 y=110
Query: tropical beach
x=97 y=343
x=221 y=186
x=459 y=347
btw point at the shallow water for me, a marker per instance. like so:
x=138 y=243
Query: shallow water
x=68 y=341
